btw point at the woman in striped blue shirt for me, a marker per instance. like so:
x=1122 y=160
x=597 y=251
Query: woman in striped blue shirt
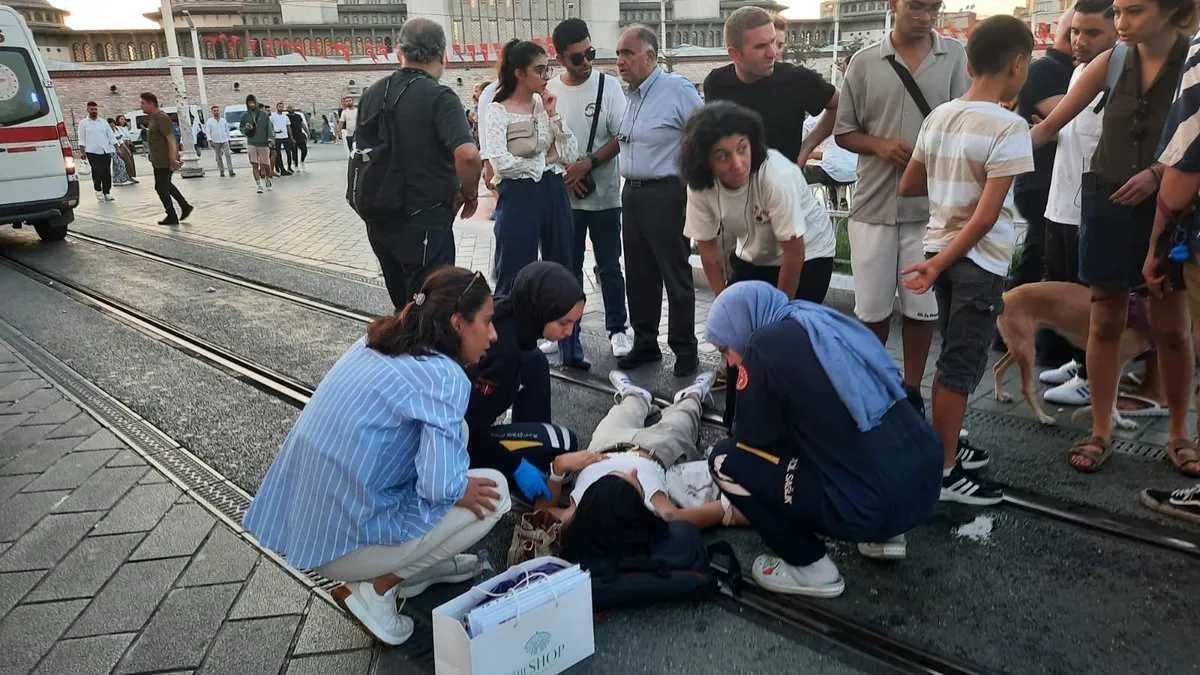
x=372 y=486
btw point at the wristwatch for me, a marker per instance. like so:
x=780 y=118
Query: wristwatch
x=555 y=477
x=594 y=160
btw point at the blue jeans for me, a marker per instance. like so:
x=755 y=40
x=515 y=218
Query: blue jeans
x=532 y=216
x=604 y=227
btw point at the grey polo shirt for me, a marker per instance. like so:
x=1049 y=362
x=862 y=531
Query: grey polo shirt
x=874 y=101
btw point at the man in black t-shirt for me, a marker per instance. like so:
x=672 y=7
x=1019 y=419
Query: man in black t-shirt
x=436 y=152
x=782 y=93
x=298 y=152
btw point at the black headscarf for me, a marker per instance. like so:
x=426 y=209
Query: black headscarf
x=541 y=293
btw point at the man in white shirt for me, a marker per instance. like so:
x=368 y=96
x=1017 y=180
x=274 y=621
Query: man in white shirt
x=97 y=141
x=283 y=139
x=217 y=130
x=835 y=165
x=585 y=107
x=347 y=123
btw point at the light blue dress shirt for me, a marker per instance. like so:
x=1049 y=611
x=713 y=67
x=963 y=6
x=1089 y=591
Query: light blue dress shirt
x=653 y=124
x=377 y=457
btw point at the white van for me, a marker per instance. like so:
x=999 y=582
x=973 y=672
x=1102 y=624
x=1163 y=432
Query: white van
x=38 y=183
x=233 y=119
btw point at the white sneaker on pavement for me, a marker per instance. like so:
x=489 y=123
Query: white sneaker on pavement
x=621 y=345
x=303 y=169
x=548 y=347
x=1074 y=391
x=1060 y=374
x=377 y=613
x=699 y=387
x=626 y=387
x=819 y=580
x=109 y=198
x=895 y=548
x=258 y=187
x=269 y=186
x=99 y=196
x=458 y=569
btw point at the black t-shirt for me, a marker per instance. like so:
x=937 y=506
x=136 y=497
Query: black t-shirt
x=1049 y=76
x=783 y=99
x=297 y=122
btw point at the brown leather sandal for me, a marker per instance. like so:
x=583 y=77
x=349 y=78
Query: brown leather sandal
x=1094 y=449
x=1183 y=453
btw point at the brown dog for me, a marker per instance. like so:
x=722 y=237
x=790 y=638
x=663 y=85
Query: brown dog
x=1066 y=309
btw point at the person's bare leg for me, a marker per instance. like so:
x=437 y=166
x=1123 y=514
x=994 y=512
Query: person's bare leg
x=949 y=408
x=384 y=583
x=1176 y=360
x=1109 y=310
x=881 y=329
x=917 y=337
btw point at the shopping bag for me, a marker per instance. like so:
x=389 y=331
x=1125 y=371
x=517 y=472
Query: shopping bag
x=550 y=630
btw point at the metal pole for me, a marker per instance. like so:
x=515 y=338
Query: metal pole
x=662 y=24
x=191 y=161
x=837 y=37
x=199 y=66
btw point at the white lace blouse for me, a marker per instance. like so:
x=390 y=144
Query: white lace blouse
x=549 y=130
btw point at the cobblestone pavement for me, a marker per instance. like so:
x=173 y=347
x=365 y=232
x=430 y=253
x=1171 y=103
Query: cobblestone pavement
x=106 y=566
x=305 y=220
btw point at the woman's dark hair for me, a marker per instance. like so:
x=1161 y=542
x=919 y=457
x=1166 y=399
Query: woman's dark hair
x=423 y=326
x=1180 y=11
x=517 y=55
x=709 y=124
x=611 y=523
x=122 y=117
x=111 y=121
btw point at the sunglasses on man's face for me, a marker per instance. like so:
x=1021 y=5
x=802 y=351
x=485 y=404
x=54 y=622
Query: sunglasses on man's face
x=577 y=59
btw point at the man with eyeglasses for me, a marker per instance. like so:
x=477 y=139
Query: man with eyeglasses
x=594 y=116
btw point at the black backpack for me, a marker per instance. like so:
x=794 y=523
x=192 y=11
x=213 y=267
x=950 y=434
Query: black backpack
x=375 y=182
x=679 y=568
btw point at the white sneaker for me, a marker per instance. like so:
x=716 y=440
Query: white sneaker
x=895 y=548
x=621 y=345
x=626 y=387
x=377 y=613
x=1074 y=391
x=690 y=484
x=109 y=198
x=819 y=580
x=99 y=196
x=303 y=169
x=458 y=569
x=258 y=187
x=699 y=388
x=1060 y=374
x=548 y=348
x=269 y=186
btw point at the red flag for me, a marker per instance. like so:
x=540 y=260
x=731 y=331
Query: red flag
x=484 y=48
x=222 y=38
x=346 y=51
x=458 y=51
x=298 y=47
x=550 y=48
x=269 y=47
x=496 y=48
x=235 y=40
x=371 y=51
x=538 y=41
x=471 y=51
x=253 y=45
x=320 y=47
x=208 y=39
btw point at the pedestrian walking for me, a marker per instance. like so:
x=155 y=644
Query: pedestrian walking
x=217 y=130
x=125 y=139
x=256 y=125
x=283 y=140
x=164 y=158
x=347 y=123
x=298 y=152
x=99 y=143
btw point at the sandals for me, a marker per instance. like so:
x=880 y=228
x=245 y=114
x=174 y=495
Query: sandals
x=1094 y=449
x=1183 y=453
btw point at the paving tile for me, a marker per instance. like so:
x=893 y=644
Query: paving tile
x=24 y=510
x=14 y=586
x=48 y=541
x=83 y=572
x=19 y=439
x=179 y=533
x=224 y=558
x=327 y=629
x=11 y=485
x=58 y=413
x=39 y=457
x=323 y=664
x=81 y=425
x=270 y=592
x=139 y=510
x=102 y=440
x=128 y=600
x=9 y=421
x=9 y=376
x=180 y=632
x=34 y=403
x=153 y=478
x=254 y=646
x=70 y=471
x=103 y=489
x=29 y=631
x=18 y=390
x=124 y=458
x=86 y=656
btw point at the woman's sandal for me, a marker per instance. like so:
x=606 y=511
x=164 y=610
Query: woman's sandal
x=1094 y=449
x=1182 y=452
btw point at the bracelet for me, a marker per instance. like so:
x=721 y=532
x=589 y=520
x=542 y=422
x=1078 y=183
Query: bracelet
x=556 y=477
x=594 y=160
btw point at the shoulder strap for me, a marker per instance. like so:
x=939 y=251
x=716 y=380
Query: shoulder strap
x=596 y=115
x=911 y=85
x=1116 y=65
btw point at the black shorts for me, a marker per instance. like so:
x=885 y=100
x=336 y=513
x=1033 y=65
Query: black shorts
x=1113 y=239
x=969 y=300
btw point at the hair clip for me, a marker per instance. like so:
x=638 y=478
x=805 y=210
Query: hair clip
x=419 y=298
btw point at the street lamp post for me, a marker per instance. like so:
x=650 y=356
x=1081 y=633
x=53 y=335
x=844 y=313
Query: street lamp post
x=187 y=16
x=662 y=24
x=191 y=161
x=837 y=37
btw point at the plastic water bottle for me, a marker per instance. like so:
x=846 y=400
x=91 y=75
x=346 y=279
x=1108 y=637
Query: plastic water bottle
x=484 y=569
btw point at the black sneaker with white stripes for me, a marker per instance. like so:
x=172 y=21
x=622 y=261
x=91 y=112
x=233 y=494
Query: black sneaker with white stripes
x=970 y=457
x=964 y=487
x=1183 y=503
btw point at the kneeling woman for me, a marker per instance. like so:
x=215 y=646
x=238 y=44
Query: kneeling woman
x=545 y=302
x=371 y=487
x=819 y=444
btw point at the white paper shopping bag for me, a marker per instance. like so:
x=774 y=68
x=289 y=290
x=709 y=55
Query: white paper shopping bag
x=549 y=631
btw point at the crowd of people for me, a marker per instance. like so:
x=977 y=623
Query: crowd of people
x=429 y=428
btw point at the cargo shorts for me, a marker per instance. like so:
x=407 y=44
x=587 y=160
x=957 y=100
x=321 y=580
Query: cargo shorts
x=969 y=300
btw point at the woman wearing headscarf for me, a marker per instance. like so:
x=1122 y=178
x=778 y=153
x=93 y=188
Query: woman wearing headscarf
x=544 y=303
x=819 y=446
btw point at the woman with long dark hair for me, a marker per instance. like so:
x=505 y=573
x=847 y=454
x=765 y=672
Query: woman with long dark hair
x=124 y=153
x=371 y=486
x=528 y=145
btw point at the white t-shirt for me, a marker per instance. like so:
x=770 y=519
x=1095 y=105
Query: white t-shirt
x=349 y=117
x=1076 y=144
x=281 y=123
x=838 y=162
x=485 y=102
x=963 y=144
x=777 y=204
x=649 y=472
x=576 y=105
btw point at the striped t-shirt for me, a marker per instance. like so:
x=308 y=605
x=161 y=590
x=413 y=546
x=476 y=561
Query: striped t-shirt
x=963 y=144
x=1180 y=147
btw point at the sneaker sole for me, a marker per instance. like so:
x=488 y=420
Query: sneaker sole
x=1073 y=402
x=417 y=589
x=831 y=591
x=890 y=552
x=346 y=600
x=967 y=499
x=1166 y=508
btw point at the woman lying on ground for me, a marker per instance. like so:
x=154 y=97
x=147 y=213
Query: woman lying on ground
x=371 y=486
x=819 y=444
x=545 y=302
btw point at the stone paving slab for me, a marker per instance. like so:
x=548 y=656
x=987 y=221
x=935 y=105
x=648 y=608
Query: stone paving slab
x=103 y=571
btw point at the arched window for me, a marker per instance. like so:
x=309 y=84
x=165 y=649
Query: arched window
x=381 y=48
x=712 y=38
x=358 y=47
x=703 y=39
x=328 y=46
x=77 y=52
x=679 y=39
x=153 y=53
x=670 y=40
x=143 y=51
x=210 y=51
x=695 y=38
x=110 y=54
x=99 y=51
x=130 y=52
x=162 y=48
x=121 y=50
x=88 y=55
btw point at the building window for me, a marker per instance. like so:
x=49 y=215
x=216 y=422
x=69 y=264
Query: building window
x=358 y=47
x=153 y=50
x=456 y=32
x=110 y=54
x=328 y=46
x=130 y=52
x=210 y=51
x=77 y=52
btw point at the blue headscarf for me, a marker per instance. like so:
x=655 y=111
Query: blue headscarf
x=864 y=375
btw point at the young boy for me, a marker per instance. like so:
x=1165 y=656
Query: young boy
x=966 y=156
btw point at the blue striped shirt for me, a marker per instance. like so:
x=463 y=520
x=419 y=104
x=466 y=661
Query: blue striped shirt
x=652 y=126
x=378 y=457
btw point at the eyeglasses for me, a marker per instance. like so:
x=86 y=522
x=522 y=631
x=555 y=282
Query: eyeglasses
x=578 y=59
x=546 y=72
x=921 y=8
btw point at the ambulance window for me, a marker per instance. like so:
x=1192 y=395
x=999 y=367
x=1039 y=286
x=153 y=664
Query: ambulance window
x=21 y=95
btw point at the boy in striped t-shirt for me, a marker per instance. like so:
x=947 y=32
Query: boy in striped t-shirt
x=966 y=156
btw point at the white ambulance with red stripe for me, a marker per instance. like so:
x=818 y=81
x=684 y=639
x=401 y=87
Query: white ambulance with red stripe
x=38 y=183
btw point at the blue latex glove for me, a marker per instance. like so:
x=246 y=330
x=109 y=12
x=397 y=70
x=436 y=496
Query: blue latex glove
x=531 y=481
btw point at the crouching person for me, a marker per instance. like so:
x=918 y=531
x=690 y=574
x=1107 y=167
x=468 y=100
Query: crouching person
x=819 y=445
x=372 y=487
